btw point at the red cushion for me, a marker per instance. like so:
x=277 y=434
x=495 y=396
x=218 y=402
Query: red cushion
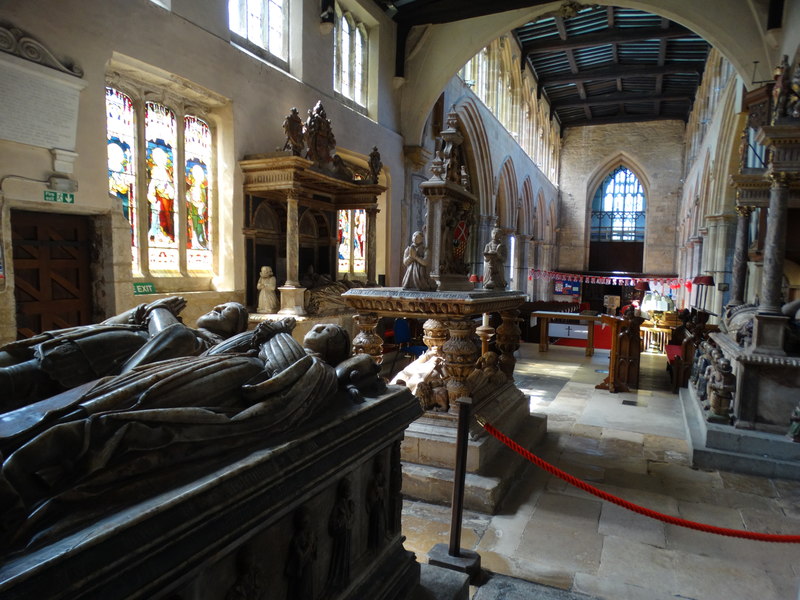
x=673 y=352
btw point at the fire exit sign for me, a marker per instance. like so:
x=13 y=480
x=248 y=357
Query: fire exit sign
x=64 y=197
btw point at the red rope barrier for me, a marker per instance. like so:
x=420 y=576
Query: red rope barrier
x=749 y=535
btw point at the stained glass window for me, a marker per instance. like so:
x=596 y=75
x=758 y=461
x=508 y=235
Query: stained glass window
x=262 y=23
x=618 y=208
x=350 y=58
x=352 y=241
x=198 y=151
x=169 y=203
x=121 y=149
x=160 y=130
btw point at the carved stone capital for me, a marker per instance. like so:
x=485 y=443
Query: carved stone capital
x=744 y=211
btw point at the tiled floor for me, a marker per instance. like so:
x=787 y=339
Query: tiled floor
x=631 y=445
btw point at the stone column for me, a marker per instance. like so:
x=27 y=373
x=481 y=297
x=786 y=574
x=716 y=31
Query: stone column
x=372 y=250
x=292 y=295
x=292 y=240
x=775 y=244
x=460 y=355
x=740 y=255
x=520 y=250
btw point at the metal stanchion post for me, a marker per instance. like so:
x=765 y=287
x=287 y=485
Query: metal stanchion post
x=453 y=556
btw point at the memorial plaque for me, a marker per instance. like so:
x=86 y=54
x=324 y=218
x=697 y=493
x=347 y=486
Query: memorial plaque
x=38 y=105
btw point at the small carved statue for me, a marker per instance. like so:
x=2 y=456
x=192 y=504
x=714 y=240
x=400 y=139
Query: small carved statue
x=416 y=274
x=722 y=388
x=375 y=164
x=494 y=258
x=300 y=558
x=376 y=507
x=293 y=128
x=340 y=527
x=432 y=395
x=319 y=135
x=267 y=298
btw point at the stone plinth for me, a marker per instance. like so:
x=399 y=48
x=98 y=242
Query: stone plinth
x=232 y=527
x=429 y=451
x=766 y=395
x=766 y=385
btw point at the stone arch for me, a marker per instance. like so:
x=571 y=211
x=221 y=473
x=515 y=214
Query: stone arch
x=476 y=148
x=506 y=197
x=736 y=32
x=526 y=221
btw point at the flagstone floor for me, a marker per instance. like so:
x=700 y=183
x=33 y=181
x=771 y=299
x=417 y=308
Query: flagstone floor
x=632 y=445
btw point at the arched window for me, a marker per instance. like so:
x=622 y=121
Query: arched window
x=260 y=26
x=167 y=201
x=618 y=208
x=350 y=59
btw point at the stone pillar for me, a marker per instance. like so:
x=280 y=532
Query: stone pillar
x=520 y=251
x=292 y=294
x=434 y=235
x=372 y=250
x=292 y=240
x=460 y=355
x=740 y=255
x=775 y=244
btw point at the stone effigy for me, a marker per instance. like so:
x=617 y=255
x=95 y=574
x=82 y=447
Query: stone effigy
x=59 y=360
x=183 y=474
x=161 y=416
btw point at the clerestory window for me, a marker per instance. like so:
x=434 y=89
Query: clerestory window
x=160 y=170
x=260 y=26
x=350 y=59
x=618 y=208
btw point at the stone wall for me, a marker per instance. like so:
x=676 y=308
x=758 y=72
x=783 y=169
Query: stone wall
x=654 y=151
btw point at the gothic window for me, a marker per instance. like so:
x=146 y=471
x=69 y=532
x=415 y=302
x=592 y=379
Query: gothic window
x=350 y=59
x=352 y=242
x=260 y=26
x=618 y=208
x=160 y=170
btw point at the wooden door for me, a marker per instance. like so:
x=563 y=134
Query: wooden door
x=52 y=281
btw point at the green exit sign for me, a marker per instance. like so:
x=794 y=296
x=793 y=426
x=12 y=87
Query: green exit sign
x=64 y=197
x=143 y=288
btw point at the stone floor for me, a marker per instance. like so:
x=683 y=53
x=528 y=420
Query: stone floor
x=631 y=445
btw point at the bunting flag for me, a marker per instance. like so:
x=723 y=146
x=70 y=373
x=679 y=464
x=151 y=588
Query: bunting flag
x=672 y=283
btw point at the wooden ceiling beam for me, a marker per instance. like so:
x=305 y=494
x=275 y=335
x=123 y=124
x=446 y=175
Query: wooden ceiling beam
x=623 y=71
x=609 y=36
x=617 y=98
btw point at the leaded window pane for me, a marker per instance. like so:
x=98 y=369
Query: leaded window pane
x=121 y=149
x=161 y=138
x=618 y=208
x=198 y=153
